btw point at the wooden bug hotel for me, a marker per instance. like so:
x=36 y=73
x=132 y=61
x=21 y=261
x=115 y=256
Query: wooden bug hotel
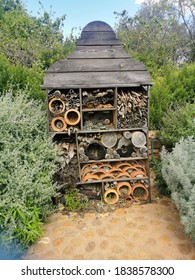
x=97 y=102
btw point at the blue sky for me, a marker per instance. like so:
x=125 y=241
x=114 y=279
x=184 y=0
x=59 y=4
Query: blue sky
x=81 y=12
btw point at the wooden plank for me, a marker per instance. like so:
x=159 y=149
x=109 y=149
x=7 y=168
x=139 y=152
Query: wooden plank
x=98 y=35
x=83 y=65
x=97 y=42
x=86 y=79
x=98 y=52
x=97 y=26
x=68 y=86
x=114 y=179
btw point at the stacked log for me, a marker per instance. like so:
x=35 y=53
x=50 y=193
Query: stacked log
x=155 y=145
x=112 y=145
x=132 y=109
x=67 y=175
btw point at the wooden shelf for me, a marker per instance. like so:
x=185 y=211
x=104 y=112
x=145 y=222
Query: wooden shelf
x=114 y=160
x=145 y=129
x=113 y=180
x=100 y=109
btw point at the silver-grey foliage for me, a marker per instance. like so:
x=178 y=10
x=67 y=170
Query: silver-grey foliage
x=178 y=170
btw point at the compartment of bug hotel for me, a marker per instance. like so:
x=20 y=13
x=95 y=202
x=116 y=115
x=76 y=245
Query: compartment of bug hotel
x=132 y=108
x=114 y=170
x=98 y=98
x=112 y=145
x=98 y=120
x=92 y=191
x=64 y=110
x=126 y=191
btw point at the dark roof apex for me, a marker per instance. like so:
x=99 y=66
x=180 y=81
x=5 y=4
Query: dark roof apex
x=98 y=25
x=97 y=33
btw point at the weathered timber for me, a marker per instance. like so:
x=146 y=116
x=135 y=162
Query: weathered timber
x=97 y=33
x=86 y=65
x=88 y=79
x=107 y=51
x=97 y=61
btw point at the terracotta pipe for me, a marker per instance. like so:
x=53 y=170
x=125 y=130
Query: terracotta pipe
x=144 y=192
x=140 y=167
x=137 y=173
x=123 y=175
x=115 y=171
x=58 y=124
x=106 y=176
x=59 y=103
x=72 y=117
x=124 y=189
x=111 y=196
x=90 y=177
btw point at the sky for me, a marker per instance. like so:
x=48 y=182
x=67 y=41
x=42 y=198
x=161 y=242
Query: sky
x=80 y=12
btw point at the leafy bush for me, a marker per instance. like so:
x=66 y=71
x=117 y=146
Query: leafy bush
x=26 y=169
x=21 y=77
x=74 y=201
x=177 y=123
x=178 y=172
x=156 y=165
x=172 y=86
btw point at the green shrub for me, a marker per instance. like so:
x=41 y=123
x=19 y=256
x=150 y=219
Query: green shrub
x=156 y=165
x=21 y=77
x=172 y=86
x=178 y=172
x=26 y=169
x=74 y=202
x=177 y=123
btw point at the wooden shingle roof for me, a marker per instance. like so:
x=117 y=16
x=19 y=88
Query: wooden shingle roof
x=98 y=61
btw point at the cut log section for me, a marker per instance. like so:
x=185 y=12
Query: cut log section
x=138 y=139
x=109 y=139
x=95 y=151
